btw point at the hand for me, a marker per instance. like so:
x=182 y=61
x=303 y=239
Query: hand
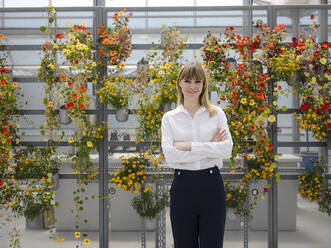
x=182 y=145
x=219 y=135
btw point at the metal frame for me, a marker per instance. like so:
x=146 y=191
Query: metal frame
x=100 y=15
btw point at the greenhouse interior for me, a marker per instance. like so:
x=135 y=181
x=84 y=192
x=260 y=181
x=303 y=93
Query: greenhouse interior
x=84 y=88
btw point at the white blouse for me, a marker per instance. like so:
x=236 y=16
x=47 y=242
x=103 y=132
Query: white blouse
x=178 y=125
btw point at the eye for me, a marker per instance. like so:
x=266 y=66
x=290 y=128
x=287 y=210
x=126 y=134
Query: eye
x=197 y=82
x=187 y=81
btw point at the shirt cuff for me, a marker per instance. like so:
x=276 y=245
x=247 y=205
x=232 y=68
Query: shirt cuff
x=196 y=146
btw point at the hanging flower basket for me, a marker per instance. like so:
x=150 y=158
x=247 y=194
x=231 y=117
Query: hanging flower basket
x=149 y=204
x=122 y=114
x=64 y=116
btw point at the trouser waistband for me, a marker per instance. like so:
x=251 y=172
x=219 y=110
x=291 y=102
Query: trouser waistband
x=208 y=171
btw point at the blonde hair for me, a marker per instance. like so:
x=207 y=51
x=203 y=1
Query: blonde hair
x=194 y=70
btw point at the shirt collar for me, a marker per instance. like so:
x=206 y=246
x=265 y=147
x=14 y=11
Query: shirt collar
x=181 y=109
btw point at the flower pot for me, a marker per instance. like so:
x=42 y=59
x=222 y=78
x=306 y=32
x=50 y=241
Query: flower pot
x=48 y=219
x=34 y=224
x=64 y=116
x=231 y=215
x=166 y=107
x=126 y=137
x=55 y=181
x=92 y=106
x=122 y=114
x=232 y=63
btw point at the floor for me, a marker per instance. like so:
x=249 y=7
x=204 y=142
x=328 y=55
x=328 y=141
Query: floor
x=313 y=231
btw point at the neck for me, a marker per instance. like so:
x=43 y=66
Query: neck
x=191 y=103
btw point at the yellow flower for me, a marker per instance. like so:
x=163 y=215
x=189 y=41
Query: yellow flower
x=56 y=46
x=71 y=140
x=323 y=61
x=50 y=104
x=15 y=84
x=83 y=23
x=69 y=23
x=271 y=118
x=251 y=102
x=86 y=241
x=74 y=171
x=94 y=64
x=89 y=144
x=243 y=101
x=77 y=235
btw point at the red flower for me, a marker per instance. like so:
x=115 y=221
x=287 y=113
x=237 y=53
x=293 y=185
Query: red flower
x=234 y=94
x=69 y=105
x=326 y=45
x=279 y=87
x=271 y=46
x=312 y=17
x=3 y=81
x=82 y=88
x=4 y=130
x=270 y=146
x=329 y=125
x=8 y=141
x=59 y=36
x=74 y=96
x=262 y=107
x=1 y=183
x=82 y=106
x=70 y=84
x=317 y=53
x=62 y=77
x=252 y=128
x=266 y=190
x=262 y=142
x=8 y=134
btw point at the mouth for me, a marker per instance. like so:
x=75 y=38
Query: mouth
x=192 y=92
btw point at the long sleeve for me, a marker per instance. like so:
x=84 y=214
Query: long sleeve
x=222 y=150
x=171 y=153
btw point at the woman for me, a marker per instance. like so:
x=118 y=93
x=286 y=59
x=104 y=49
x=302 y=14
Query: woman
x=195 y=139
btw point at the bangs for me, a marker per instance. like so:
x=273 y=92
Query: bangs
x=192 y=71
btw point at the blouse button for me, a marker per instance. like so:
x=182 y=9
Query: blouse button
x=178 y=173
x=211 y=171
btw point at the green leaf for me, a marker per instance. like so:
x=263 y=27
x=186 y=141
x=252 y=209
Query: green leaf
x=284 y=108
x=268 y=186
x=277 y=177
x=42 y=28
x=273 y=165
x=51 y=20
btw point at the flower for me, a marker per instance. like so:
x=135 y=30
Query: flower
x=2 y=36
x=69 y=105
x=82 y=88
x=59 y=36
x=62 y=77
x=69 y=84
x=323 y=61
x=89 y=144
x=75 y=171
x=312 y=16
x=50 y=104
x=69 y=23
x=77 y=235
x=82 y=106
x=71 y=140
x=15 y=84
x=243 y=101
x=271 y=118
x=86 y=241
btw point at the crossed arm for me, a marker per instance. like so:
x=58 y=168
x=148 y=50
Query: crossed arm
x=190 y=151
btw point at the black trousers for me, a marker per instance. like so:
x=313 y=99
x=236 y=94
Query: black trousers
x=198 y=208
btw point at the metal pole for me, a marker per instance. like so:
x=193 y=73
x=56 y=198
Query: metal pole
x=99 y=19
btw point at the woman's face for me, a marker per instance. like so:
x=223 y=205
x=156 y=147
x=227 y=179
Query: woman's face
x=191 y=88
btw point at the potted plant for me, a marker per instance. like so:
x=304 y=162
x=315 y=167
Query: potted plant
x=116 y=91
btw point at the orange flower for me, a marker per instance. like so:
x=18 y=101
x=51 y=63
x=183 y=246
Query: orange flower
x=114 y=60
x=124 y=10
x=70 y=84
x=115 y=33
x=115 y=17
x=2 y=36
x=104 y=34
x=62 y=77
x=82 y=106
x=270 y=147
x=82 y=88
x=271 y=46
x=252 y=128
x=74 y=96
x=101 y=52
x=228 y=197
x=113 y=53
x=126 y=28
x=251 y=93
x=105 y=41
x=113 y=41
